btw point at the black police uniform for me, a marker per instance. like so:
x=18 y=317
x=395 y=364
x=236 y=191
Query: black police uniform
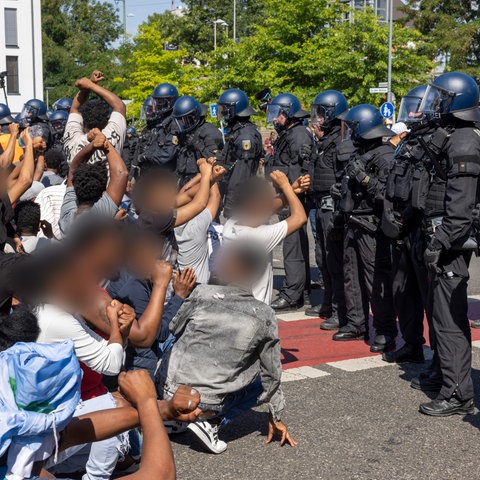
x=129 y=151
x=157 y=145
x=367 y=256
x=204 y=141
x=448 y=222
x=403 y=223
x=292 y=151
x=327 y=167
x=241 y=157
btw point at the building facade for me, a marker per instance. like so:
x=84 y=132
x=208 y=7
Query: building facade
x=20 y=52
x=379 y=6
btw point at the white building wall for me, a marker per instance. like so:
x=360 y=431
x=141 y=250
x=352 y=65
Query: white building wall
x=28 y=51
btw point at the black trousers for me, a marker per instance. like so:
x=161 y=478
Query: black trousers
x=410 y=288
x=329 y=258
x=448 y=302
x=297 y=265
x=368 y=281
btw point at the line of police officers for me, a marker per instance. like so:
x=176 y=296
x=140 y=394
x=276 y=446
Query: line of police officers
x=395 y=221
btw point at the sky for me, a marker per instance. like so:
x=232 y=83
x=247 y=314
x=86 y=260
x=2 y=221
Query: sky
x=139 y=10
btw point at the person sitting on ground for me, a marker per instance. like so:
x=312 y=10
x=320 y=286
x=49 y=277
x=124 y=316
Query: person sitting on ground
x=28 y=224
x=256 y=202
x=227 y=347
x=53 y=163
x=106 y=114
x=89 y=187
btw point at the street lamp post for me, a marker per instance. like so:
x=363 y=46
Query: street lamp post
x=234 y=20
x=124 y=19
x=221 y=22
x=47 y=95
x=390 y=47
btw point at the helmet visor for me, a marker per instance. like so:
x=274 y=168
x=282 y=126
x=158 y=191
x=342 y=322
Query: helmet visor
x=410 y=110
x=274 y=111
x=436 y=101
x=147 y=112
x=58 y=126
x=226 y=112
x=321 y=115
x=163 y=104
x=187 y=122
x=29 y=113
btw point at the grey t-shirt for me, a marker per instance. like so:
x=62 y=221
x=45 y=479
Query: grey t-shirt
x=105 y=206
x=193 y=245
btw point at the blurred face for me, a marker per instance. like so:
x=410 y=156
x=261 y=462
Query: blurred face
x=260 y=209
x=161 y=199
x=229 y=271
x=145 y=252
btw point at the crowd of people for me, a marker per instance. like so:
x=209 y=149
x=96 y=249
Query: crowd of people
x=136 y=278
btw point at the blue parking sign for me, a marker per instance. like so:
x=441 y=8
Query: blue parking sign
x=213 y=110
x=387 y=110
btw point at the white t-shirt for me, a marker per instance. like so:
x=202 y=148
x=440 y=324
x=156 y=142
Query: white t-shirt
x=75 y=138
x=267 y=235
x=56 y=326
x=50 y=200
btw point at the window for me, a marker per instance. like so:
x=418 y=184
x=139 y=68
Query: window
x=11 y=36
x=12 y=77
x=382 y=9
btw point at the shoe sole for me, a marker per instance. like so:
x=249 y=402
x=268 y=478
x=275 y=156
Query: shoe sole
x=348 y=339
x=175 y=428
x=460 y=411
x=204 y=438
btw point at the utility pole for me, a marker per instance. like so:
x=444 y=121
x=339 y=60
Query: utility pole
x=124 y=10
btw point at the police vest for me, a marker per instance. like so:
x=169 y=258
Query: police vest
x=324 y=160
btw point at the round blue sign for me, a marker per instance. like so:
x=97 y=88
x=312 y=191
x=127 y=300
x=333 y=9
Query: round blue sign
x=387 y=110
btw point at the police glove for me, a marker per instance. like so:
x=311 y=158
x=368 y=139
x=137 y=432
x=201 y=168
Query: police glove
x=431 y=256
x=356 y=170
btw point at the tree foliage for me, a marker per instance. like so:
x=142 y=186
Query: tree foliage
x=77 y=38
x=302 y=47
x=452 y=27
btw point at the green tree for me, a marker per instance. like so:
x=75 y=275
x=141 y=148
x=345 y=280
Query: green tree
x=77 y=38
x=452 y=27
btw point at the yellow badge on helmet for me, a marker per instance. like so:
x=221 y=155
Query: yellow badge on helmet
x=175 y=140
x=247 y=144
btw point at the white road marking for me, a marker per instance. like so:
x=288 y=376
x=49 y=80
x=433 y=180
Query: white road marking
x=357 y=364
x=295 y=317
x=302 y=373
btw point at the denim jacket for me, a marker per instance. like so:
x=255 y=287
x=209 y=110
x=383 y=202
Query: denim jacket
x=225 y=339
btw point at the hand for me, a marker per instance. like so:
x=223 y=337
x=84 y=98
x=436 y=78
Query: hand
x=14 y=128
x=137 y=386
x=26 y=138
x=97 y=76
x=84 y=83
x=99 y=141
x=218 y=173
x=121 y=215
x=279 y=428
x=431 y=257
x=39 y=144
x=18 y=245
x=205 y=167
x=183 y=405
x=162 y=273
x=212 y=160
x=92 y=134
x=301 y=184
x=126 y=317
x=280 y=179
x=47 y=229
x=356 y=169
x=184 y=282
x=113 y=312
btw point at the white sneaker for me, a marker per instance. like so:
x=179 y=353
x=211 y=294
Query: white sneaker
x=173 y=427
x=208 y=435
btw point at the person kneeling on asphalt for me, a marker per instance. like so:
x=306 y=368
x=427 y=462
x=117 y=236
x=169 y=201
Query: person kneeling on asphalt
x=227 y=348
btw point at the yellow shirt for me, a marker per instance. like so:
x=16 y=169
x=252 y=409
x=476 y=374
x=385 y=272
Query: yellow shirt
x=18 y=150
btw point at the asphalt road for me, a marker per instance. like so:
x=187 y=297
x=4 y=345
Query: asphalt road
x=349 y=425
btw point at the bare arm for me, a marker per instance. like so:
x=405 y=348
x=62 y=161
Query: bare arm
x=192 y=209
x=214 y=201
x=297 y=217
x=301 y=185
x=117 y=183
x=40 y=168
x=25 y=177
x=6 y=158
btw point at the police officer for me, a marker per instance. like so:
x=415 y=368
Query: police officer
x=402 y=222
x=326 y=111
x=63 y=104
x=34 y=115
x=58 y=121
x=158 y=144
x=198 y=138
x=452 y=101
x=367 y=258
x=243 y=143
x=130 y=146
x=292 y=151
x=5 y=115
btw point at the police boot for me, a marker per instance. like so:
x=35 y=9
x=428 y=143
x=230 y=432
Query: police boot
x=281 y=304
x=382 y=343
x=429 y=381
x=441 y=407
x=406 y=354
x=333 y=323
x=320 y=311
